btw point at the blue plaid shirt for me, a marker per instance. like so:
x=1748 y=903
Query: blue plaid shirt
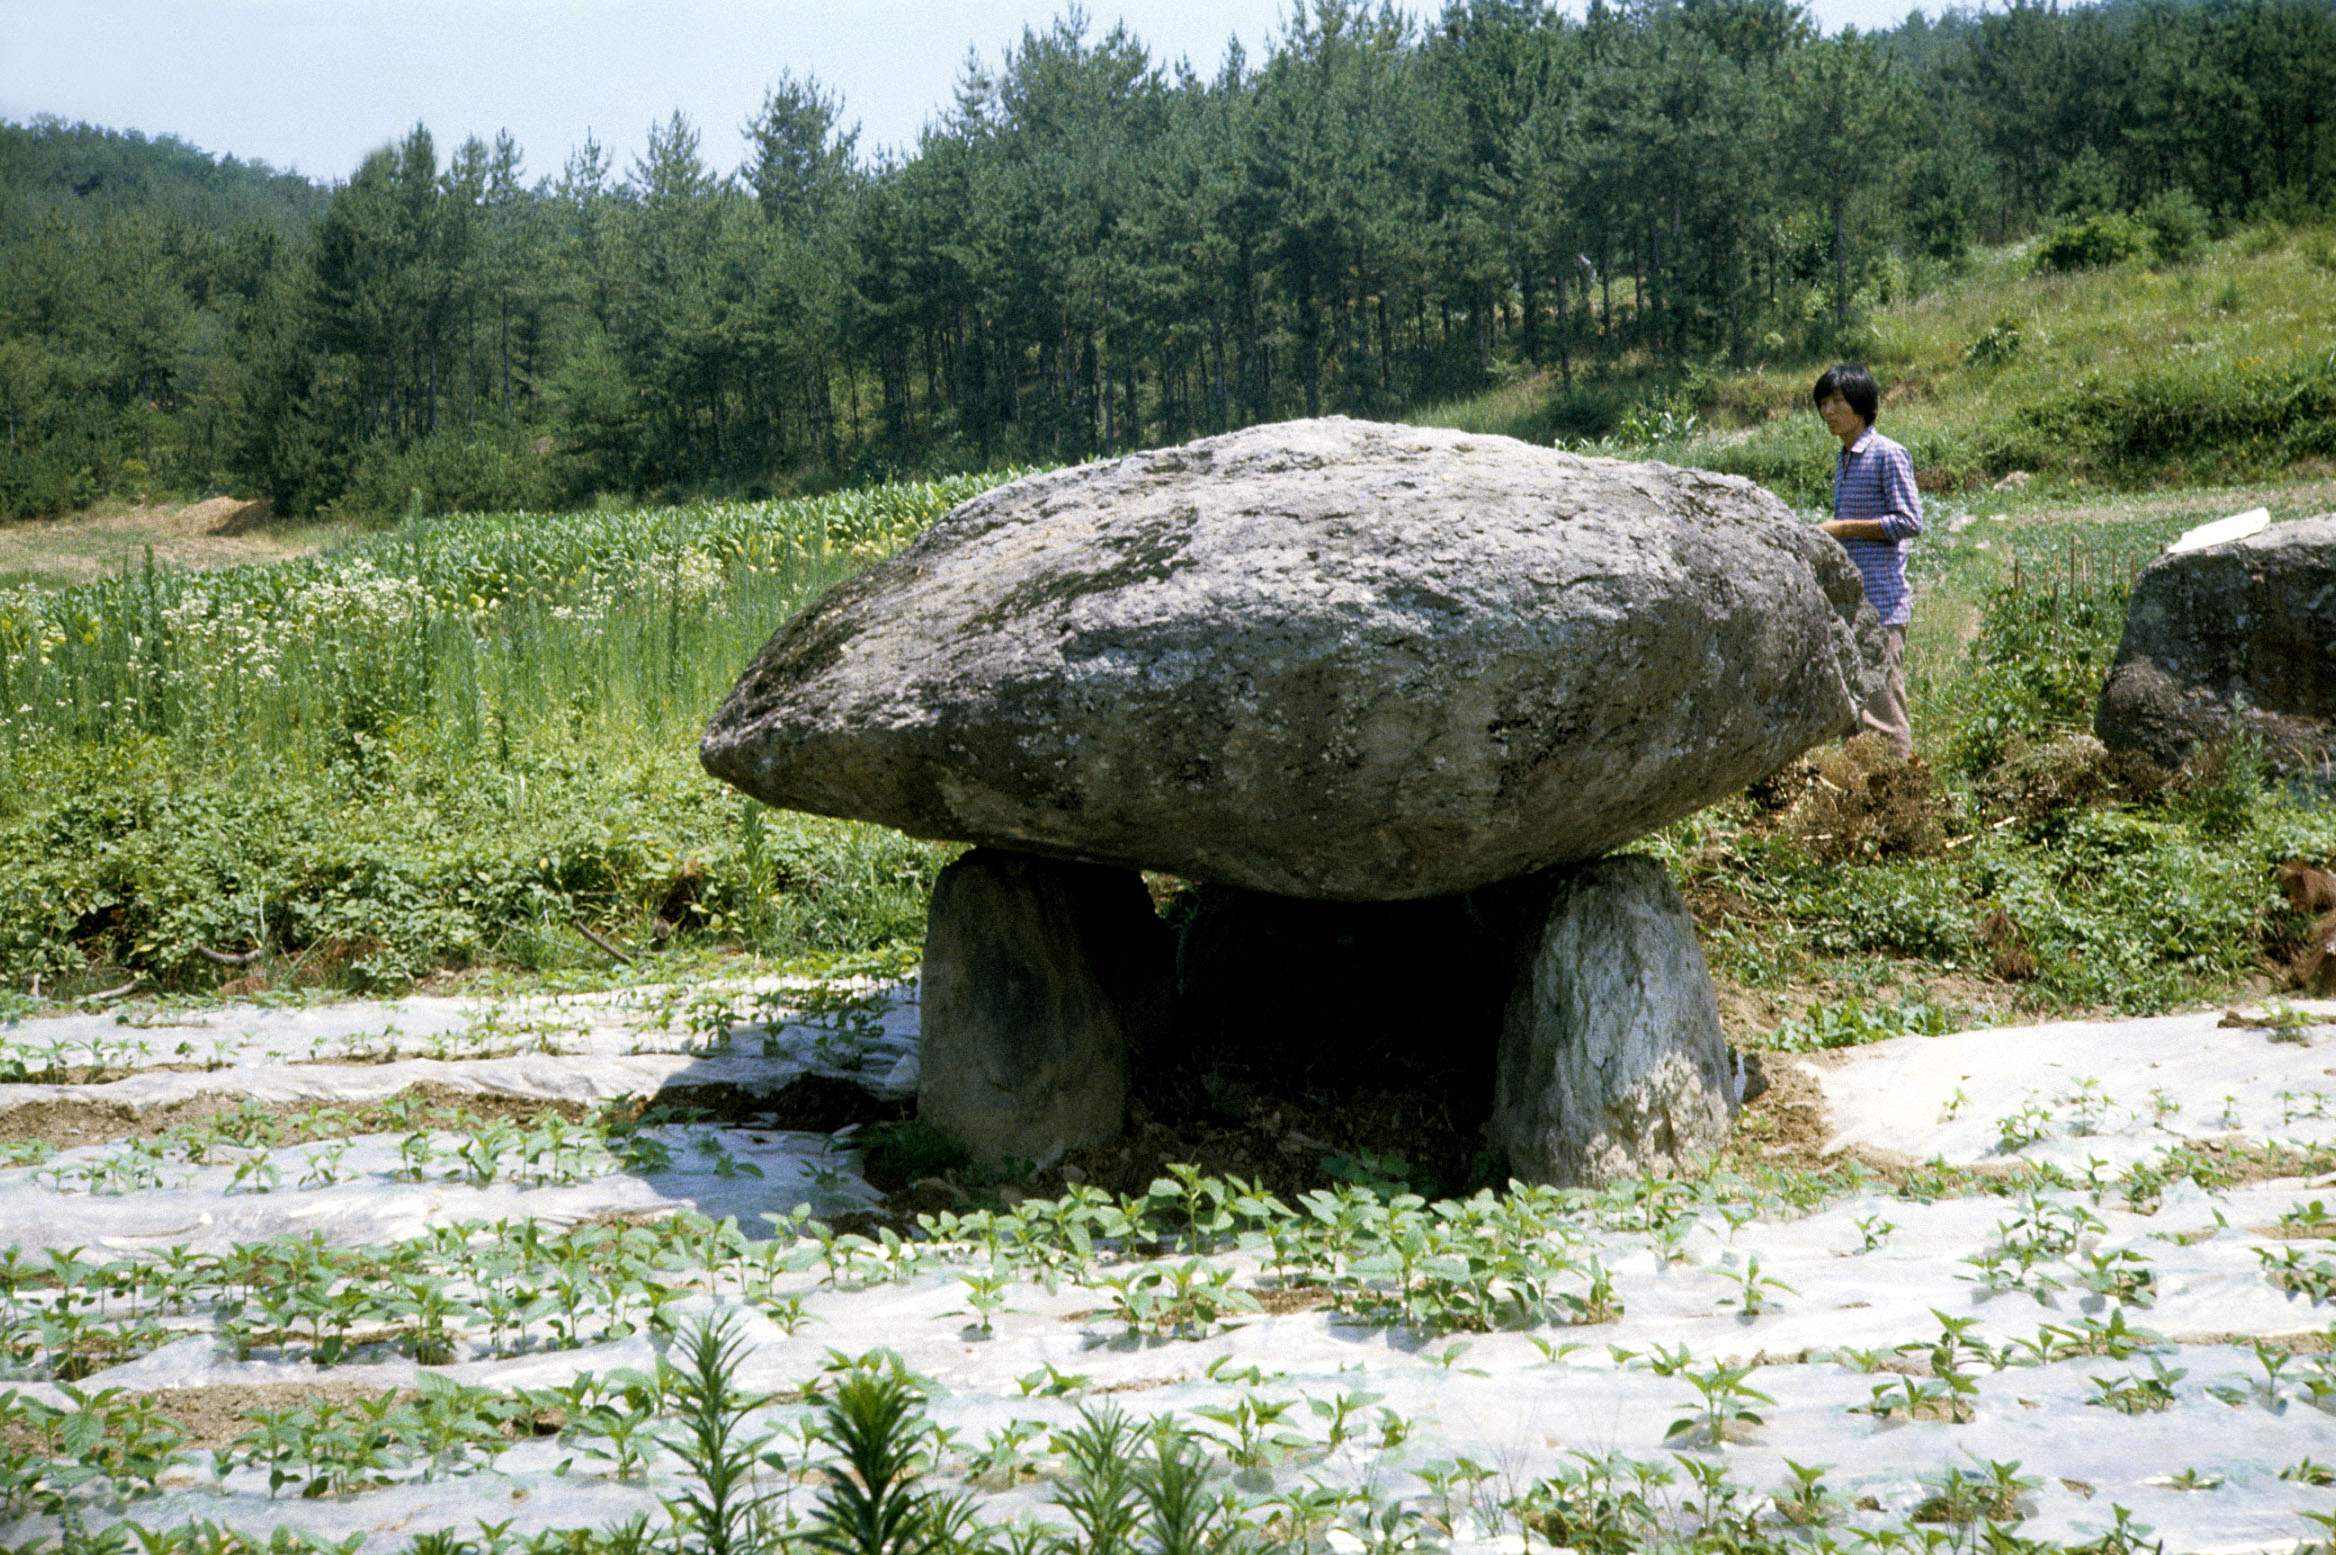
x=1875 y=479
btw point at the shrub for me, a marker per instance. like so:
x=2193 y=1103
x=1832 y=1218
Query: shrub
x=898 y=1154
x=2177 y=225
x=1869 y=803
x=451 y=473
x=2037 y=671
x=1999 y=342
x=2087 y=242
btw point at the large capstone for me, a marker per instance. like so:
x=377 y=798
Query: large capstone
x=2237 y=639
x=1327 y=659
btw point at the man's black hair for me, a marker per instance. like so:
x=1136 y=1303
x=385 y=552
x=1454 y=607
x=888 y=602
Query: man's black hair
x=1854 y=384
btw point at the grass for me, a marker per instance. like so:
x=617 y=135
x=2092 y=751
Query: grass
x=470 y=744
x=463 y=743
x=114 y=536
x=2113 y=899
x=2220 y=368
x=2135 y=400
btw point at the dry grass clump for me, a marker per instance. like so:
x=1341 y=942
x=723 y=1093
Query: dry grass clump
x=2311 y=892
x=2034 y=782
x=2006 y=947
x=1863 y=801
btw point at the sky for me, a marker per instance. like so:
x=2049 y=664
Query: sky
x=313 y=85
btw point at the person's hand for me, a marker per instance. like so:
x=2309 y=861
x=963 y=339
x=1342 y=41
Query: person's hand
x=1855 y=529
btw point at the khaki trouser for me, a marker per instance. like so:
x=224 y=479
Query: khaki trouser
x=1886 y=713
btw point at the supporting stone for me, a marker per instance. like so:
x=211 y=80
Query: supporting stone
x=1041 y=979
x=1611 y=1058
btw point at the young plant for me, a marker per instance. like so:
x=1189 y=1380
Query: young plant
x=871 y=1504
x=1254 y=1434
x=985 y=1298
x=2137 y=1394
x=711 y=1435
x=1753 y=1287
x=1047 y=1382
x=1805 y=1502
x=617 y=1413
x=1725 y=1410
x=1100 y=1490
x=1999 y=1495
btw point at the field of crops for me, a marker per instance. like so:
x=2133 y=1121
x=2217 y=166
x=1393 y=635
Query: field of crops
x=580 y=1274
x=446 y=745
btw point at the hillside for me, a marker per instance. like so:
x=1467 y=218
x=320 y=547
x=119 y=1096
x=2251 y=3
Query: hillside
x=2219 y=367
x=86 y=173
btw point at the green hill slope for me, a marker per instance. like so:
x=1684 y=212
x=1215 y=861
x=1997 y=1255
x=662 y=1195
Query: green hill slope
x=86 y=173
x=2219 y=368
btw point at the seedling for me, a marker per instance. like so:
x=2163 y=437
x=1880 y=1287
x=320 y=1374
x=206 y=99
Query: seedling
x=2291 y=1271
x=2088 y=1106
x=1254 y=1435
x=2123 y=1275
x=1099 y=1491
x=985 y=1298
x=1047 y=1382
x=324 y=1166
x=1753 y=1287
x=1338 y=1415
x=1912 y=1398
x=1005 y=1458
x=2135 y=1393
x=256 y=1173
x=1804 y=1502
x=2020 y=1129
x=2306 y=1472
x=1725 y=1407
x=1998 y=1495
x=871 y=1504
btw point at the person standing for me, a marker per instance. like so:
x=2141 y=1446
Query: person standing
x=1877 y=512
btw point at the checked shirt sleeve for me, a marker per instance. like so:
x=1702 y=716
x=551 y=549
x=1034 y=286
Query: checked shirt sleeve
x=1901 y=515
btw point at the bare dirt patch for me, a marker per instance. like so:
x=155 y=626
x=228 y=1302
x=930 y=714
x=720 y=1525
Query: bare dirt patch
x=216 y=1414
x=1786 y=1124
x=70 y=1121
x=217 y=532
x=809 y=1102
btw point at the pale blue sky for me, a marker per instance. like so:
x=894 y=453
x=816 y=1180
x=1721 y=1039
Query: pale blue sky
x=315 y=84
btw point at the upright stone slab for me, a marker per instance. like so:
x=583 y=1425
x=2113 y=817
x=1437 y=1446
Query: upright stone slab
x=1041 y=979
x=1611 y=1058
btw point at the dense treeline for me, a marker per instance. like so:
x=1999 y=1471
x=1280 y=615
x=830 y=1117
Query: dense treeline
x=1087 y=251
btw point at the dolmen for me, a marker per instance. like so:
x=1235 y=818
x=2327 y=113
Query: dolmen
x=1329 y=667
x=2231 y=641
